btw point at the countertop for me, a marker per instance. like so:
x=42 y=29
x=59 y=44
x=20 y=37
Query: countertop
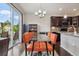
x=70 y=33
x=70 y=42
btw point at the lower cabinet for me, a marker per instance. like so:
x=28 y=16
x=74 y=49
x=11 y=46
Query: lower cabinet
x=70 y=43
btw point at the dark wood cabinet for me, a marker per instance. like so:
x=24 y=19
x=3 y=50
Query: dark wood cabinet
x=75 y=21
x=56 y=21
x=66 y=22
x=61 y=22
x=4 y=47
x=33 y=28
x=69 y=20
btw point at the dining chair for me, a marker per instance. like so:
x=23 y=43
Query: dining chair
x=27 y=36
x=34 y=46
x=53 y=40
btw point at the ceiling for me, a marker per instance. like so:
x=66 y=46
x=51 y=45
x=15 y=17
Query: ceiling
x=52 y=8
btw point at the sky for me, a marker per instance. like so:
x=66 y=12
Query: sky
x=5 y=13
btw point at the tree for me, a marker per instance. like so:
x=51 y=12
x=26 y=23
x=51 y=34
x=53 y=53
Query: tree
x=16 y=28
x=5 y=24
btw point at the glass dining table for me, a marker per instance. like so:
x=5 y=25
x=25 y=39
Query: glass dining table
x=42 y=38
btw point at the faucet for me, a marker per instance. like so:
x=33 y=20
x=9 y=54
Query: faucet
x=75 y=30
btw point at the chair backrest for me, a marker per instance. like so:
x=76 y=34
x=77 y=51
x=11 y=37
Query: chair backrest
x=49 y=34
x=4 y=44
x=52 y=37
x=58 y=36
x=27 y=36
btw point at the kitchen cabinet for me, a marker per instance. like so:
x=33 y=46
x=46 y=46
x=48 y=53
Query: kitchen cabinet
x=70 y=42
x=4 y=44
x=33 y=28
x=56 y=21
x=60 y=22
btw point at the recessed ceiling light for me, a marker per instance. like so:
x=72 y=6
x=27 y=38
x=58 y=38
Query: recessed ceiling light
x=74 y=9
x=60 y=9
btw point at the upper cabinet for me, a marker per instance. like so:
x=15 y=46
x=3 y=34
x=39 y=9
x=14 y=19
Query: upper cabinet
x=59 y=21
x=75 y=21
x=64 y=23
x=56 y=21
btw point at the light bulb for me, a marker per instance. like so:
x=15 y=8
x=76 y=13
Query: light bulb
x=43 y=15
x=53 y=27
x=36 y=13
x=39 y=11
x=44 y=12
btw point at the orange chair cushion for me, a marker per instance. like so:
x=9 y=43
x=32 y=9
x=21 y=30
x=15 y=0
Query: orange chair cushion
x=36 y=46
x=49 y=46
x=39 y=46
x=43 y=46
x=53 y=38
x=49 y=34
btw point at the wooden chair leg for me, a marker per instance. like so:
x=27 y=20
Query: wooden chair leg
x=50 y=52
x=39 y=53
x=25 y=49
x=46 y=48
x=32 y=48
x=53 y=49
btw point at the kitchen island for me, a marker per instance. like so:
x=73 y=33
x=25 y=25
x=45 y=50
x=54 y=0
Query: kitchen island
x=70 y=42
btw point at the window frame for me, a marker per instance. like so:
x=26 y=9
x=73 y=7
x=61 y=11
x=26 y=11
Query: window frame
x=21 y=19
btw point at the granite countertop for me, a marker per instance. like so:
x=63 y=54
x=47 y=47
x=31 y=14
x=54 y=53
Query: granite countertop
x=71 y=34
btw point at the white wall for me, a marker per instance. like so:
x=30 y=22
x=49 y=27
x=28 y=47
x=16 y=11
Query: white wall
x=43 y=23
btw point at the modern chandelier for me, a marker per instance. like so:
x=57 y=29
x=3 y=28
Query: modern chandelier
x=41 y=12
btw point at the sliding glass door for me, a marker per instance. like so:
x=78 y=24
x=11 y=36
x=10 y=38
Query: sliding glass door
x=5 y=21
x=10 y=23
x=16 y=26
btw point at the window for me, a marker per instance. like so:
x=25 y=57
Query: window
x=5 y=21
x=10 y=21
x=16 y=26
